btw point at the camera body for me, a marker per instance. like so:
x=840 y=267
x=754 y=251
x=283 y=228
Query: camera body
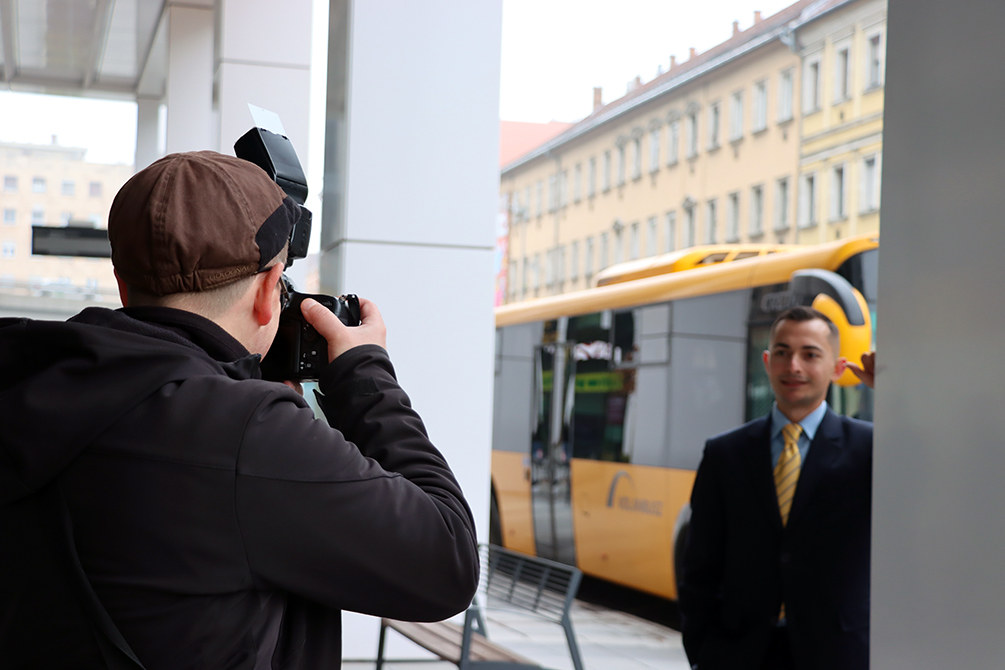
x=298 y=353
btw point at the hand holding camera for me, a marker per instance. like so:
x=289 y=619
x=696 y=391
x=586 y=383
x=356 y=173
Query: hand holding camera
x=342 y=338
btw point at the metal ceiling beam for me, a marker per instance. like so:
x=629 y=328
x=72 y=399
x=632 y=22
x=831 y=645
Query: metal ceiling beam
x=8 y=21
x=99 y=38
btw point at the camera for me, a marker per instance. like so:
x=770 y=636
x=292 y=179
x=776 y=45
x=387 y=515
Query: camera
x=298 y=353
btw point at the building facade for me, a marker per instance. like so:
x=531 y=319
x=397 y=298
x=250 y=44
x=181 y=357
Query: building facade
x=54 y=186
x=843 y=64
x=726 y=147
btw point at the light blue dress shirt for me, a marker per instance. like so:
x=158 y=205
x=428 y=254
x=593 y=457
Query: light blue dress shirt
x=810 y=423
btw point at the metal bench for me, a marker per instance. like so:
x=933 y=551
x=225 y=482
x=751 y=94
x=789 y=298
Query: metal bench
x=509 y=581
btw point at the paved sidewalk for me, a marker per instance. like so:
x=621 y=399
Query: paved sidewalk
x=608 y=640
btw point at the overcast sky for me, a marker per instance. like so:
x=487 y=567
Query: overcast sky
x=554 y=52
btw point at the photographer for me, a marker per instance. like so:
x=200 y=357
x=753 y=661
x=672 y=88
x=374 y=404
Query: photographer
x=219 y=523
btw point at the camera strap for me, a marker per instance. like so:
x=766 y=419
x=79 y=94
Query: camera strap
x=114 y=648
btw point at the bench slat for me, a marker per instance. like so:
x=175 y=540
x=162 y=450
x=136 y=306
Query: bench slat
x=444 y=639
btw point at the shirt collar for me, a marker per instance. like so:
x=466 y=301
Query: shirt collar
x=809 y=424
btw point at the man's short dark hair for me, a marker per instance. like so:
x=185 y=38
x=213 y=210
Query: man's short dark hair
x=802 y=314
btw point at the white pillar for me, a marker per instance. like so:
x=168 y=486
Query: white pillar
x=411 y=193
x=190 y=76
x=938 y=595
x=263 y=58
x=147 y=132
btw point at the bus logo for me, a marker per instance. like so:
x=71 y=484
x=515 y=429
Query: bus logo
x=631 y=503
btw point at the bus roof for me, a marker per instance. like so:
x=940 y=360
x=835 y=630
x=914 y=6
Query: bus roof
x=760 y=271
x=693 y=258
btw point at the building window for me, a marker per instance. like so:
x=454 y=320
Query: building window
x=8 y=281
x=842 y=75
x=37 y=215
x=654 y=150
x=552 y=193
x=68 y=187
x=839 y=193
x=536 y=272
x=526 y=204
x=619 y=242
x=736 y=116
x=782 y=205
x=540 y=197
x=637 y=158
x=670 y=231
x=808 y=201
x=875 y=61
x=811 y=87
x=711 y=234
x=38 y=185
x=577 y=186
x=94 y=189
x=607 y=170
x=692 y=134
x=733 y=218
x=511 y=278
x=591 y=188
x=10 y=217
x=785 y=96
x=10 y=184
x=9 y=249
x=95 y=220
x=651 y=233
x=603 y=250
x=689 y=224
x=588 y=259
x=634 y=250
x=673 y=142
x=713 y=125
x=621 y=164
x=759 y=114
x=870 y=184
x=574 y=265
x=756 y=211
x=65 y=218
x=563 y=189
x=560 y=265
x=525 y=280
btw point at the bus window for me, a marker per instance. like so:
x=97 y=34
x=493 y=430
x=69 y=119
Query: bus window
x=712 y=259
x=745 y=254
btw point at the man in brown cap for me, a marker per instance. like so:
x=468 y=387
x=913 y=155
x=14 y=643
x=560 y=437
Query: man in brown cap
x=163 y=507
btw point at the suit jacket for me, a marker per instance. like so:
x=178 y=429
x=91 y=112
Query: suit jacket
x=741 y=563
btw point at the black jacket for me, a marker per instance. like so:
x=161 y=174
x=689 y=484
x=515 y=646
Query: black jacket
x=741 y=563
x=220 y=523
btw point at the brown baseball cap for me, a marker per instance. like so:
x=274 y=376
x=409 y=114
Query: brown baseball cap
x=196 y=221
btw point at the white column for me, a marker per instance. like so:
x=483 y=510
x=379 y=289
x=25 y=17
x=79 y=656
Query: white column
x=938 y=594
x=411 y=193
x=147 y=132
x=190 y=76
x=263 y=58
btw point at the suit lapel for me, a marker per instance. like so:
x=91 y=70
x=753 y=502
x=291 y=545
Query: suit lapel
x=824 y=451
x=759 y=463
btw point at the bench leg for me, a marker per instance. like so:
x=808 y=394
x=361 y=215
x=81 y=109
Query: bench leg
x=577 y=661
x=380 y=646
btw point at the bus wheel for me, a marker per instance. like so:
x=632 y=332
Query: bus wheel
x=680 y=532
x=495 y=524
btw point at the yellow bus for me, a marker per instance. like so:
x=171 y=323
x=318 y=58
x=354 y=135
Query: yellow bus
x=604 y=398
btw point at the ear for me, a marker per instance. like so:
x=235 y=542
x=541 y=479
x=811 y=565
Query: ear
x=266 y=290
x=839 y=367
x=765 y=355
x=123 y=289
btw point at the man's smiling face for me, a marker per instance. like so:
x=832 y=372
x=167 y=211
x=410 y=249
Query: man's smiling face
x=801 y=362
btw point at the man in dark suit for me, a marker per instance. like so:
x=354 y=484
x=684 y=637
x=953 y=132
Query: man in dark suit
x=776 y=570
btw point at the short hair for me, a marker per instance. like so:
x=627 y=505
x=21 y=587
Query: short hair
x=210 y=303
x=803 y=314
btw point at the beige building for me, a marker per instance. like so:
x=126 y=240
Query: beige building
x=843 y=54
x=719 y=149
x=53 y=186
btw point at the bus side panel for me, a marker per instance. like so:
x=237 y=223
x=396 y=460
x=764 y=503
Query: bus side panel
x=511 y=478
x=624 y=518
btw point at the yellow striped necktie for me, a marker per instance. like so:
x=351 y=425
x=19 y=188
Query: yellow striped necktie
x=787 y=470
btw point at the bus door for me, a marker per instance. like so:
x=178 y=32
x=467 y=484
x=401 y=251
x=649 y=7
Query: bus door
x=551 y=490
